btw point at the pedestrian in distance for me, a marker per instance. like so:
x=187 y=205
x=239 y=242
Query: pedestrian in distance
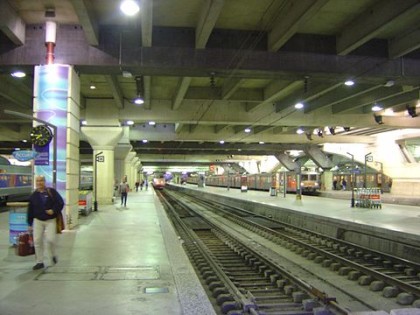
x=137 y=186
x=124 y=188
x=343 y=184
x=335 y=184
x=45 y=203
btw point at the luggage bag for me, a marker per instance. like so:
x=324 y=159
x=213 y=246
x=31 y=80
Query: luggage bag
x=25 y=245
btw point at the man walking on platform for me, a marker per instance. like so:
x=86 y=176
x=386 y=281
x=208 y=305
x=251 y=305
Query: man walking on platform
x=123 y=190
x=45 y=204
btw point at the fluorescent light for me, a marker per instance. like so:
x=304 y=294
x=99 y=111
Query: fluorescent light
x=300 y=131
x=130 y=122
x=92 y=87
x=222 y=141
x=376 y=108
x=299 y=105
x=138 y=101
x=152 y=123
x=129 y=7
x=349 y=83
x=261 y=142
x=247 y=130
x=144 y=141
x=84 y=122
x=18 y=74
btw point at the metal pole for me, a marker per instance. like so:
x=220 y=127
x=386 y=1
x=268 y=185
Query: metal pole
x=54 y=127
x=352 y=179
x=364 y=180
x=95 y=203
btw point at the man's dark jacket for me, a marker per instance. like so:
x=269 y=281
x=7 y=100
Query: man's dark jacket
x=36 y=208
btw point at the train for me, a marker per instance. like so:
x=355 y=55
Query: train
x=309 y=182
x=159 y=183
x=15 y=183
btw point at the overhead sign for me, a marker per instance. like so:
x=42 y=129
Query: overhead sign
x=24 y=155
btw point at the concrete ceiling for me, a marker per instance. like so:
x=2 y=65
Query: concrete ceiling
x=211 y=68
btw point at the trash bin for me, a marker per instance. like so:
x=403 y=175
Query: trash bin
x=18 y=220
x=273 y=191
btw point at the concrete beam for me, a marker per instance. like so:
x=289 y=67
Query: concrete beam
x=230 y=86
x=147 y=83
x=274 y=91
x=11 y=24
x=410 y=97
x=373 y=21
x=181 y=90
x=314 y=91
x=366 y=99
x=319 y=157
x=115 y=90
x=72 y=48
x=287 y=161
x=292 y=15
x=402 y=45
x=178 y=127
x=15 y=95
x=146 y=22
x=87 y=20
x=341 y=94
x=220 y=128
x=208 y=18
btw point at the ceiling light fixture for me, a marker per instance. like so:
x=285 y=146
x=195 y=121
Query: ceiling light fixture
x=299 y=131
x=247 y=130
x=92 y=86
x=221 y=141
x=261 y=142
x=376 y=108
x=349 y=83
x=18 y=74
x=145 y=141
x=299 y=105
x=129 y=7
x=152 y=123
x=139 y=87
x=129 y=122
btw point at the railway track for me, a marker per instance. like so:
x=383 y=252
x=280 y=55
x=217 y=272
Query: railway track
x=388 y=275
x=238 y=279
x=392 y=276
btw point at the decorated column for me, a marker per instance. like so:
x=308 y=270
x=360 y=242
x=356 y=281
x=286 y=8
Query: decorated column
x=57 y=101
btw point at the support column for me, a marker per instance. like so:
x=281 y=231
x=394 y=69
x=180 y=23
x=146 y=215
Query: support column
x=103 y=139
x=121 y=152
x=134 y=163
x=327 y=181
x=57 y=101
x=127 y=168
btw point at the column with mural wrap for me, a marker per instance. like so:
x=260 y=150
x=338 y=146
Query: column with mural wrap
x=56 y=100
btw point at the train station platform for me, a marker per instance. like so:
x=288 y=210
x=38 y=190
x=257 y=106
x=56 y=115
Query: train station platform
x=117 y=261
x=393 y=229
x=392 y=216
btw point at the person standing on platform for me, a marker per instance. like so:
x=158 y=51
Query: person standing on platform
x=123 y=190
x=335 y=184
x=137 y=186
x=343 y=184
x=44 y=205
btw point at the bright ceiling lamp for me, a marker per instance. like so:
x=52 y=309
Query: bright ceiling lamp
x=129 y=7
x=140 y=91
x=349 y=83
x=299 y=131
x=376 y=108
x=299 y=105
x=247 y=130
x=18 y=74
